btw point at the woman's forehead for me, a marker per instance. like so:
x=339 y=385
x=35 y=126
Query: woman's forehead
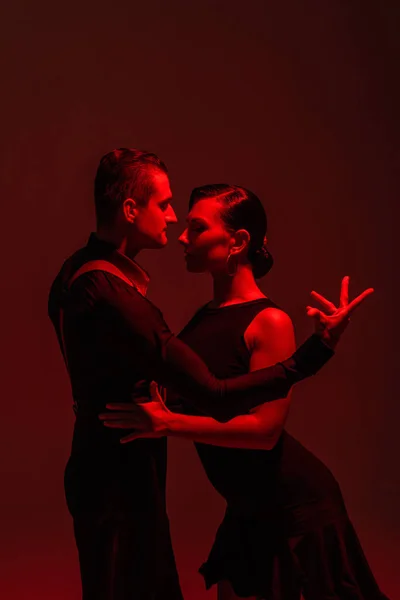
x=207 y=209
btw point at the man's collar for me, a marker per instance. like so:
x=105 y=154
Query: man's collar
x=139 y=277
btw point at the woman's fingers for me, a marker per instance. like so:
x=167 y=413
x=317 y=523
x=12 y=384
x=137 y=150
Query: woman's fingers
x=314 y=312
x=157 y=397
x=127 y=406
x=154 y=391
x=132 y=416
x=344 y=299
x=131 y=437
x=329 y=306
x=357 y=301
x=136 y=399
x=344 y=291
x=126 y=424
x=120 y=415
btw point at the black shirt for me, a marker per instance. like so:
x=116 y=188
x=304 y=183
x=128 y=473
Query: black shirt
x=115 y=337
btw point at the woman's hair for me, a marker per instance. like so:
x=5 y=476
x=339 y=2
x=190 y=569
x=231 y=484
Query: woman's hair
x=241 y=209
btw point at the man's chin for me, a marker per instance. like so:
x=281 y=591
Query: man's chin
x=163 y=242
x=158 y=243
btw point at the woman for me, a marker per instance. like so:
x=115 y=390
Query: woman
x=286 y=531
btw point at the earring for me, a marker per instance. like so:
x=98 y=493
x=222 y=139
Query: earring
x=231 y=266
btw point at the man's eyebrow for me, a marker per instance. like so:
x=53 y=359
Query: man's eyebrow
x=169 y=199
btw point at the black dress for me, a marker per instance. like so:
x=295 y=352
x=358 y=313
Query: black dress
x=286 y=530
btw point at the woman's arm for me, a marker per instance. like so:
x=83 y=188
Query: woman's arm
x=155 y=354
x=269 y=338
x=225 y=399
x=182 y=370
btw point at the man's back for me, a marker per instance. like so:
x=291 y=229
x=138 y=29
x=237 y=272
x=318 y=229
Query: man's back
x=112 y=338
x=106 y=358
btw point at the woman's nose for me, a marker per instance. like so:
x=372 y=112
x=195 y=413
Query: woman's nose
x=183 y=238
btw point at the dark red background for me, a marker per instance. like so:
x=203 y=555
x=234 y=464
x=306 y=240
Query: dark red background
x=296 y=100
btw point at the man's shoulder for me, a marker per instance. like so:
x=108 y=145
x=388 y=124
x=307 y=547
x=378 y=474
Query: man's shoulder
x=99 y=287
x=66 y=271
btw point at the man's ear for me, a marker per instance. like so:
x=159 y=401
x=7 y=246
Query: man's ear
x=130 y=209
x=241 y=240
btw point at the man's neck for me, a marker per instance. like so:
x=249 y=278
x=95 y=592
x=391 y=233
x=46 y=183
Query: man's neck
x=241 y=287
x=117 y=239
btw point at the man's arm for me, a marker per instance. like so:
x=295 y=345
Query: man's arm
x=269 y=338
x=170 y=362
x=144 y=340
x=186 y=374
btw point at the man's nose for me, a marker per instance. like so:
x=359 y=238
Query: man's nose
x=171 y=217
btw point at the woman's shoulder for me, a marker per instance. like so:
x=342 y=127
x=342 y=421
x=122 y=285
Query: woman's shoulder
x=271 y=317
x=271 y=323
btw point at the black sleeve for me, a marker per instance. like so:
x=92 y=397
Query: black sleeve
x=187 y=375
x=172 y=363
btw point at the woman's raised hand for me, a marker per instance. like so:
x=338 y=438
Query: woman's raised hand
x=331 y=322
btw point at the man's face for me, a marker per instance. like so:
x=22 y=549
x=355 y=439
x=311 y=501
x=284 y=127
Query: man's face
x=152 y=220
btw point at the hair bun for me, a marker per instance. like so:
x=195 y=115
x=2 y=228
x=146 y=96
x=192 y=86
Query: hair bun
x=262 y=261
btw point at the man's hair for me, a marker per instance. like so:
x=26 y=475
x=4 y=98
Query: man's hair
x=124 y=173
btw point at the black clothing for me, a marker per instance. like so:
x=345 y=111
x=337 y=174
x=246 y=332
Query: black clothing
x=286 y=526
x=114 y=337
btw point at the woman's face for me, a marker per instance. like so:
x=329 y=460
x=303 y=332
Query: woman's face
x=206 y=240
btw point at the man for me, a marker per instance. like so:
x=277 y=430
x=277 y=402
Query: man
x=112 y=337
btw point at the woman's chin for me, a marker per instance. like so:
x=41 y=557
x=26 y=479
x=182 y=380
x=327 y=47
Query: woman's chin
x=192 y=267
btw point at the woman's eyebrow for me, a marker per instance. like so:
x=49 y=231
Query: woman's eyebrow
x=196 y=220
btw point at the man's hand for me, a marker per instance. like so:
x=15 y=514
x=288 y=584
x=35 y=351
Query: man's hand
x=148 y=419
x=331 y=324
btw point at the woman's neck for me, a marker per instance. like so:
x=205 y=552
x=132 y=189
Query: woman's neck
x=241 y=287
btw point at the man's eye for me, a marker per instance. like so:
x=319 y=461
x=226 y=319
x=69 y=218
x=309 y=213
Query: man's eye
x=164 y=206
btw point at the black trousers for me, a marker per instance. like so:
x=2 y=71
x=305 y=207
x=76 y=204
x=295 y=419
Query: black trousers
x=124 y=545
x=115 y=566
